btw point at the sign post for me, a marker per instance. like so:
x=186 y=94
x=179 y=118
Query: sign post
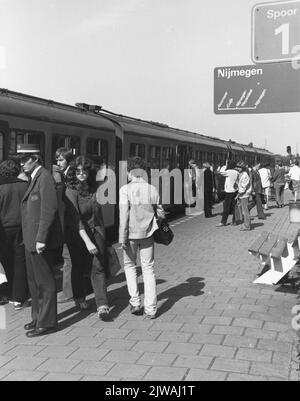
x=263 y=88
x=276 y=31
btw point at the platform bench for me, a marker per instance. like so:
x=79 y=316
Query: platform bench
x=279 y=252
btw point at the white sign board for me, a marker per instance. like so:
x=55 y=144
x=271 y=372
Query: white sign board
x=276 y=31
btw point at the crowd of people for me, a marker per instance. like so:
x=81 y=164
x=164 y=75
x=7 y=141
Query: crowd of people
x=34 y=229
x=45 y=213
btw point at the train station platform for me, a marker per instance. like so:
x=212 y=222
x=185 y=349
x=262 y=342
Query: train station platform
x=213 y=323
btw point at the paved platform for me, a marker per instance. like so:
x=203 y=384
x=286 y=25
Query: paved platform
x=213 y=323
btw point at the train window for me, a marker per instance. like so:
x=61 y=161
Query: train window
x=167 y=158
x=17 y=137
x=137 y=149
x=1 y=146
x=64 y=141
x=154 y=156
x=97 y=149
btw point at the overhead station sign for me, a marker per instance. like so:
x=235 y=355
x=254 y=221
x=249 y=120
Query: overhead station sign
x=264 y=88
x=275 y=31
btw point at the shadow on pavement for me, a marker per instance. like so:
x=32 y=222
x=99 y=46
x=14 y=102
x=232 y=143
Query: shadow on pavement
x=191 y=287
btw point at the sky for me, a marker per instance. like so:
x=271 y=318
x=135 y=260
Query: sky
x=150 y=59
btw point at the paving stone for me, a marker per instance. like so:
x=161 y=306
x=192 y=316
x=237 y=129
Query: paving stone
x=4 y=373
x=150 y=346
x=282 y=358
x=165 y=326
x=57 y=340
x=90 y=368
x=187 y=361
x=214 y=320
x=129 y=371
x=261 y=333
x=173 y=336
x=84 y=332
x=207 y=339
x=269 y=370
x=99 y=378
x=4 y=359
x=218 y=351
x=166 y=374
x=143 y=334
x=57 y=365
x=205 y=375
x=276 y=326
x=196 y=328
x=245 y=378
x=240 y=341
x=187 y=319
x=183 y=348
x=278 y=346
x=61 y=377
x=256 y=324
x=122 y=356
x=255 y=308
x=91 y=342
x=157 y=359
x=231 y=365
x=113 y=333
x=89 y=354
x=23 y=363
x=25 y=375
x=238 y=331
x=57 y=352
x=25 y=350
x=250 y=354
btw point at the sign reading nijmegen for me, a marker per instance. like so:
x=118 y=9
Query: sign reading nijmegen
x=263 y=88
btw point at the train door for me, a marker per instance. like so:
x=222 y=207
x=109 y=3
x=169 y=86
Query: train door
x=182 y=157
x=4 y=130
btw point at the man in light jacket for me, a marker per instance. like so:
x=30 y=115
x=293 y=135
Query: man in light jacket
x=139 y=209
x=244 y=191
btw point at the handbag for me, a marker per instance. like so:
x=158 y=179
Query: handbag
x=163 y=235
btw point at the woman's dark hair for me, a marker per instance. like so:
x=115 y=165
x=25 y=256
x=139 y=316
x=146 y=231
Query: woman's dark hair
x=84 y=188
x=9 y=168
x=136 y=163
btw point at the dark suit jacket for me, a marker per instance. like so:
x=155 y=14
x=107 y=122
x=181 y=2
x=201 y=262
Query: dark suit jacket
x=39 y=208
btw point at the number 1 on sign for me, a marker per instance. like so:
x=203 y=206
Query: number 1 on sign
x=284 y=29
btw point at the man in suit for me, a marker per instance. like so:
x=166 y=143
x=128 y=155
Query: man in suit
x=42 y=235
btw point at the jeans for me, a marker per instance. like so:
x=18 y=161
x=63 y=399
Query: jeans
x=245 y=211
x=67 y=271
x=146 y=248
x=279 y=190
x=228 y=206
x=257 y=200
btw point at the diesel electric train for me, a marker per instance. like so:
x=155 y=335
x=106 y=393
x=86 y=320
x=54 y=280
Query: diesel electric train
x=93 y=131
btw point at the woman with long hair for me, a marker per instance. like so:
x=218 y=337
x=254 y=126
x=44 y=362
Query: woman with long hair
x=85 y=234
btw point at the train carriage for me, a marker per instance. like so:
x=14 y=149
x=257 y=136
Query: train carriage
x=97 y=133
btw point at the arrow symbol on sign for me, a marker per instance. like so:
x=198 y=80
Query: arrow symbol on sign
x=247 y=97
x=241 y=98
x=222 y=100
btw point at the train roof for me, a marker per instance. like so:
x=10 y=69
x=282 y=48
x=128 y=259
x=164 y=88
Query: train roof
x=86 y=115
x=26 y=106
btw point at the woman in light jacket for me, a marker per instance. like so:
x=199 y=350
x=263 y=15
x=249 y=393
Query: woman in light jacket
x=139 y=206
x=244 y=191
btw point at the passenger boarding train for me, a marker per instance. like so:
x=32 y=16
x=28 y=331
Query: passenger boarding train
x=96 y=132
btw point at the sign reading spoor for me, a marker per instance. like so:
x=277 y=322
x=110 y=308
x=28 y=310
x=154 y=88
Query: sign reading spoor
x=276 y=31
x=264 y=88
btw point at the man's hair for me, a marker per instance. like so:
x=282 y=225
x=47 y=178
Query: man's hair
x=66 y=153
x=9 y=168
x=35 y=158
x=297 y=163
x=136 y=163
x=231 y=165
